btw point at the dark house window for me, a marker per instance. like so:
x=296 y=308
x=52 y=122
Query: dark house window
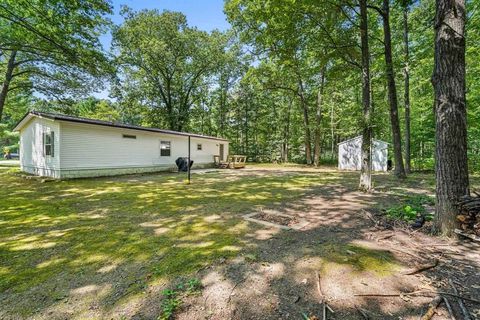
x=199 y=146
x=49 y=143
x=129 y=136
x=165 y=148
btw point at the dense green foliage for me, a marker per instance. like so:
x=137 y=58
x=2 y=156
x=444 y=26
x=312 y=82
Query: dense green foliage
x=52 y=48
x=8 y=139
x=411 y=209
x=165 y=64
x=284 y=79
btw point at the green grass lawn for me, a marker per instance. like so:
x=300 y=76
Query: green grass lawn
x=110 y=239
x=129 y=231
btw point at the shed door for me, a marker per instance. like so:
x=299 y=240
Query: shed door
x=221 y=152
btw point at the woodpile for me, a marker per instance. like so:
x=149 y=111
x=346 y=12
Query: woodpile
x=469 y=216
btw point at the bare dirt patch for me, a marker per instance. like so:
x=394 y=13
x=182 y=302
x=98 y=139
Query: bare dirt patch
x=282 y=220
x=365 y=268
x=120 y=242
x=273 y=218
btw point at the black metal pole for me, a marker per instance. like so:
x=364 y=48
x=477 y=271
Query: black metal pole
x=188 y=160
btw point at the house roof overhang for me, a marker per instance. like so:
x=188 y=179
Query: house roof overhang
x=62 y=117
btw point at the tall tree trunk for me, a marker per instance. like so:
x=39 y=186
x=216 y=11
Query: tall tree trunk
x=222 y=113
x=224 y=86
x=365 y=175
x=451 y=166
x=392 y=93
x=318 y=120
x=246 y=147
x=308 y=140
x=332 y=130
x=6 y=82
x=286 y=136
x=407 y=90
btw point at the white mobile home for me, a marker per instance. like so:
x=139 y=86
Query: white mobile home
x=61 y=146
x=350 y=155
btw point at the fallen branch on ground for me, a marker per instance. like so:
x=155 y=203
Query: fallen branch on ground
x=388 y=236
x=233 y=289
x=449 y=308
x=466 y=314
x=370 y=216
x=416 y=293
x=467 y=235
x=422 y=268
x=363 y=313
x=406 y=252
x=387 y=294
x=329 y=309
x=431 y=308
x=322 y=299
x=459 y=297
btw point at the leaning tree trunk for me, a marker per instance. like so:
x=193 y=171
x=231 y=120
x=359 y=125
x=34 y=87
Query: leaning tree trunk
x=392 y=93
x=318 y=120
x=407 y=90
x=6 y=83
x=365 y=175
x=450 y=112
x=308 y=139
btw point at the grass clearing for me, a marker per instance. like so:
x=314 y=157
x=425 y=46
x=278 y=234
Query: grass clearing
x=381 y=263
x=91 y=248
x=124 y=233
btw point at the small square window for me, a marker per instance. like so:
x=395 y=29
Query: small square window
x=49 y=143
x=165 y=148
x=199 y=146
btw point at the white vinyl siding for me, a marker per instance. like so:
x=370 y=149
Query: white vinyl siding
x=350 y=155
x=32 y=149
x=379 y=155
x=81 y=150
x=87 y=146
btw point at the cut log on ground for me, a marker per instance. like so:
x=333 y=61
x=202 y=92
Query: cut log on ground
x=469 y=216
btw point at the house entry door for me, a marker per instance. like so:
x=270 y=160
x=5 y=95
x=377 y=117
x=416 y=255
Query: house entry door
x=222 y=158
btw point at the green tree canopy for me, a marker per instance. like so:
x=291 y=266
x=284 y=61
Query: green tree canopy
x=52 y=47
x=164 y=63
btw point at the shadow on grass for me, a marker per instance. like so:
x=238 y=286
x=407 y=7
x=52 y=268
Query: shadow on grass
x=117 y=235
x=105 y=247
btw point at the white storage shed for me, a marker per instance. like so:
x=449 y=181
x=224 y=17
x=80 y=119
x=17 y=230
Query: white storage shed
x=61 y=146
x=350 y=157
